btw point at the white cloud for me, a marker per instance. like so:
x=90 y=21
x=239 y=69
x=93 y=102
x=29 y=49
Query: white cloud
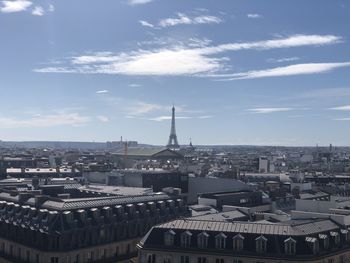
x=45 y=121
x=269 y=110
x=165 y=118
x=280 y=60
x=342 y=108
x=180 y=60
x=102 y=118
x=140 y=108
x=254 y=16
x=139 y=2
x=342 y=119
x=51 y=8
x=146 y=24
x=134 y=85
x=183 y=19
x=15 y=6
x=102 y=91
x=38 y=11
x=297 y=69
x=168 y=117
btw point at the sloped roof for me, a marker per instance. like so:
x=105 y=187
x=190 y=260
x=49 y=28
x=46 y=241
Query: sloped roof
x=308 y=228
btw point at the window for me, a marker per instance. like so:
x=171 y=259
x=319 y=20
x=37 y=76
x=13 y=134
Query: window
x=336 y=238
x=237 y=261
x=243 y=201
x=201 y=260
x=169 y=238
x=54 y=259
x=185 y=259
x=186 y=239
x=238 y=242
x=167 y=260
x=202 y=240
x=290 y=246
x=220 y=241
x=313 y=244
x=219 y=260
x=261 y=244
x=324 y=239
x=345 y=234
x=341 y=259
x=151 y=258
x=331 y=260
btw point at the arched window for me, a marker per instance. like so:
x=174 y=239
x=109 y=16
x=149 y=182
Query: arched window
x=186 y=239
x=220 y=241
x=261 y=244
x=169 y=238
x=202 y=240
x=290 y=246
x=237 y=241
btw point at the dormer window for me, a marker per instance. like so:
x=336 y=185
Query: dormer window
x=290 y=246
x=261 y=244
x=220 y=241
x=238 y=242
x=313 y=244
x=345 y=234
x=186 y=239
x=324 y=239
x=169 y=238
x=202 y=240
x=335 y=237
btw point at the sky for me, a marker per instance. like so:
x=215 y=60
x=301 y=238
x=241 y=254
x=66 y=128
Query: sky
x=239 y=72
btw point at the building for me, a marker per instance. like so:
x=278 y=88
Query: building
x=47 y=221
x=43 y=172
x=263 y=165
x=232 y=198
x=192 y=241
x=157 y=179
x=155 y=153
x=202 y=185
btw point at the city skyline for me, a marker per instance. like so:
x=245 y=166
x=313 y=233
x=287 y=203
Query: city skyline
x=238 y=72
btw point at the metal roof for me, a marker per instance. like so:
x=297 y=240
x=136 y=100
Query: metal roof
x=312 y=227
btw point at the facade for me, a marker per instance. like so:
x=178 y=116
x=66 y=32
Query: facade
x=193 y=241
x=236 y=198
x=70 y=223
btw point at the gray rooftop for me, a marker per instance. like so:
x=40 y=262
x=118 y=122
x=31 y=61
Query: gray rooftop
x=306 y=228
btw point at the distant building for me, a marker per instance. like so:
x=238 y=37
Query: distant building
x=147 y=153
x=43 y=172
x=157 y=179
x=233 y=198
x=263 y=165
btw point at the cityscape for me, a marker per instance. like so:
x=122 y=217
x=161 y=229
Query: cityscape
x=158 y=131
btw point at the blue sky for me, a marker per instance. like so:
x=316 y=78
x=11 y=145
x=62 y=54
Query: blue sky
x=238 y=71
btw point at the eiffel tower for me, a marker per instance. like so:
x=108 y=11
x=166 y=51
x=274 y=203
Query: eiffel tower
x=172 y=142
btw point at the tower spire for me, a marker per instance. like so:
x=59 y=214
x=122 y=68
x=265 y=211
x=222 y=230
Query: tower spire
x=172 y=142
